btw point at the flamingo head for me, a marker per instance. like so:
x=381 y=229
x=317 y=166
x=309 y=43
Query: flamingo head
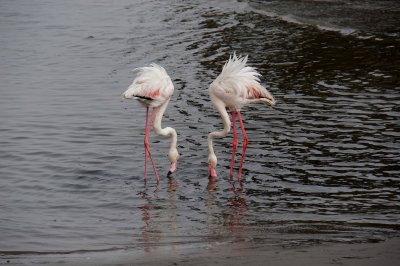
x=173 y=157
x=212 y=173
x=172 y=168
x=212 y=165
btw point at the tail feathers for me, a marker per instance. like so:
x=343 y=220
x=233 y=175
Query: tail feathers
x=142 y=91
x=141 y=97
x=134 y=90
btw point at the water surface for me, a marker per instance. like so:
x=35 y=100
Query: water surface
x=321 y=166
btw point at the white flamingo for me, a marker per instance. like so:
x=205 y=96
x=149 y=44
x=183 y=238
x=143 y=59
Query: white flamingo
x=153 y=88
x=236 y=86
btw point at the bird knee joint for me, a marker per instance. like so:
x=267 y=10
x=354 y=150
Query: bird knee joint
x=146 y=143
x=235 y=143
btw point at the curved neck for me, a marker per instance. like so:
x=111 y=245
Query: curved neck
x=220 y=106
x=168 y=131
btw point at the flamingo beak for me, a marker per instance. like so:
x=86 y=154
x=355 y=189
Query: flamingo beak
x=212 y=173
x=172 y=169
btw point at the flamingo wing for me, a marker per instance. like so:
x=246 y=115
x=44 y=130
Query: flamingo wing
x=239 y=82
x=257 y=91
x=236 y=76
x=152 y=85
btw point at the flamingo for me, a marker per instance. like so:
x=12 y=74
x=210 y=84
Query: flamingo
x=236 y=86
x=153 y=88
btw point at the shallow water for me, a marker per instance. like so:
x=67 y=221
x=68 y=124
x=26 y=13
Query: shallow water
x=321 y=166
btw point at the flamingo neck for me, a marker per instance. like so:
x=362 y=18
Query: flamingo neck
x=168 y=131
x=220 y=106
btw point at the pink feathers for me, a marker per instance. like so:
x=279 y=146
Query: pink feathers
x=152 y=86
x=236 y=86
x=252 y=93
x=151 y=94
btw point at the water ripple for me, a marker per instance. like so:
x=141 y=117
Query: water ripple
x=321 y=166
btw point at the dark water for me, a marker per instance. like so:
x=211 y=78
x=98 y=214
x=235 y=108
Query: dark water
x=322 y=166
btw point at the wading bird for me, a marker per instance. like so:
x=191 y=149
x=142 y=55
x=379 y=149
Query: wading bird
x=153 y=88
x=236 y=86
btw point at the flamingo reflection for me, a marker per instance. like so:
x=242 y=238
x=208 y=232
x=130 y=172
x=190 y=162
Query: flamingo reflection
x=154 y=215
x=238 y=207
x=226 y=218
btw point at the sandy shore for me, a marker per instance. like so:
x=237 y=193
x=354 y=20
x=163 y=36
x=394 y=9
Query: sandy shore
x=383 y=253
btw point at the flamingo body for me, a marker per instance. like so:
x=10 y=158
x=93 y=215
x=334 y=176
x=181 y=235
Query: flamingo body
x=236 y=86
x=153 y=88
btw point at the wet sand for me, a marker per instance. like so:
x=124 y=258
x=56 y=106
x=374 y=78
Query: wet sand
x=383 y=253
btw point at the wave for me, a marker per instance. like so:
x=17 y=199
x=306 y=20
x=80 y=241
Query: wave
x=363 y=19
x=56 y=252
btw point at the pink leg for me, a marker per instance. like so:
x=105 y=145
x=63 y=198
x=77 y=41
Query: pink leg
x=145 y=138
x=234 y=144
x=245 y=141
x=147 y=145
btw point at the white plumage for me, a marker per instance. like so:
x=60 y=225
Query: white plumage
x=236 y=86
x=239 y=83
x=152 y=86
